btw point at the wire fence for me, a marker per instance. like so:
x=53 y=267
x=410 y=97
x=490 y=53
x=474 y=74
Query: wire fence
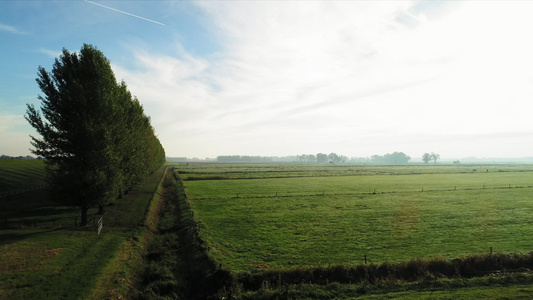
x=42 y=223
x=370 y=191
x=14 y=193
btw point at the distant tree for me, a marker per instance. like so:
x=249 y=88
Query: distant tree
x=309 y=158
x=391 y=158
x=321 y=158
x=426 y=157
x=334 y=158
x=434 y=157
x=398 y=158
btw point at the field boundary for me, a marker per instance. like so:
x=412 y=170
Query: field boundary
x=374 y=192
x=123 y=269
x=18 y=192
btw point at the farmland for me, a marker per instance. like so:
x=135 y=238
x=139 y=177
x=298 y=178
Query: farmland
x=259 y=218
x=267 y=231
x=44 y=254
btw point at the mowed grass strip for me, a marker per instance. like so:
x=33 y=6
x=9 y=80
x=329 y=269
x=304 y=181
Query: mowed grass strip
x=16 y=175
x=269 y=187
x=324 y=221
x=206 y=171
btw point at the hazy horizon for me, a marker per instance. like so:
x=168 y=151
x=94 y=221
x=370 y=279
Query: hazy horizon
x=267 y=78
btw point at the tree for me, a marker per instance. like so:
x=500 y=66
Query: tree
x=321 y=158
x=426 y=157
x=334 y=158
x=434 y=157
x=391 y=158
x=95 y=138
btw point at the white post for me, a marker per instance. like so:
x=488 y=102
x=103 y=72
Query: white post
x=100 y=224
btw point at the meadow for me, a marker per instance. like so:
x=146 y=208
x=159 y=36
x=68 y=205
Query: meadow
x=276 y=231
x=265 y=217
x=17 y=176
x=44 y=254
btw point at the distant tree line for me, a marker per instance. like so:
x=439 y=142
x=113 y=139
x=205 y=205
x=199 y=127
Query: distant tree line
x=391 y=158
x=333 y=158
x=27 y=157
x=243 y=158
x=95 y=137
x=322 y=158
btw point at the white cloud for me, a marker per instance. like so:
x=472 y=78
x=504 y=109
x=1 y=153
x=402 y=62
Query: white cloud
x=50 y=53
x=354 y=77
x=10 y=29
x=14 y=134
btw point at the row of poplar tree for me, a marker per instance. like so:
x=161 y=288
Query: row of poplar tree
x=95 y=137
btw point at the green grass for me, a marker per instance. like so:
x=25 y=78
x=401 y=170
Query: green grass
x=319 y=230
x=257 y=171
x=43 y=255
x=323 y=220
x=341 y=185
x=20 y=175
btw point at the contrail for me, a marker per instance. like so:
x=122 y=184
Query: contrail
x=123 y=12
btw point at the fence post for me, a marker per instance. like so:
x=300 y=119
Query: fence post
x=365 y=259
x=100 y=224
x=490 y=251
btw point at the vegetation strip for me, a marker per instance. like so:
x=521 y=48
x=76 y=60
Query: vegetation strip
x=177 y=260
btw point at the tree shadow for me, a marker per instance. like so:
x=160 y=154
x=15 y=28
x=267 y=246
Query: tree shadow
x=15 y=235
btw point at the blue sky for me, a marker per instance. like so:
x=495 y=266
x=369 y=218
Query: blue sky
x=279 y=78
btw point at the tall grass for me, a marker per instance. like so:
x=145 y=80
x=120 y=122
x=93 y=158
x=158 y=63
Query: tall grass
x=178 y=264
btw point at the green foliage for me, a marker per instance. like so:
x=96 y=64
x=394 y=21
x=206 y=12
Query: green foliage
x=433 y=156
x=95 y=138
x=391 y=158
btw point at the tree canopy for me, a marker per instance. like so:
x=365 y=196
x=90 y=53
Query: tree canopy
x=95 y=137
x=426 y=157
x=391 y=158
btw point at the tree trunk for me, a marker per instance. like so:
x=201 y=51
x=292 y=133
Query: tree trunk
x=83 y=221
x=101 y=209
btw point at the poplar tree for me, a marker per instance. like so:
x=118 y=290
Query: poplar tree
x=93 y=133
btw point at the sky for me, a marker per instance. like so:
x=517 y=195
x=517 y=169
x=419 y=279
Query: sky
x=279 y=78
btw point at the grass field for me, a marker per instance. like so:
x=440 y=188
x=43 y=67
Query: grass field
x=20 y=175
x=44 y=255
x=277 y=231
x=290 y=216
